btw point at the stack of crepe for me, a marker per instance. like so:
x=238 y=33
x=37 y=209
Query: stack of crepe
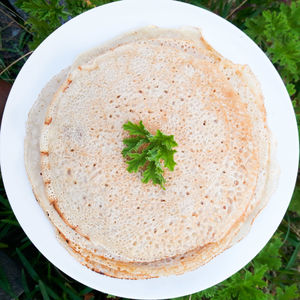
x=172 y=80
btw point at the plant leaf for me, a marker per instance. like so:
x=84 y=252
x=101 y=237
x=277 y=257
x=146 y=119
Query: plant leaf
x=136 y=129
x=294 y=256
x=138 y=160
x=295 y=202
x=244 y=285
x=270 y=256
x=27 y=266
x=133 y=144
x=288 y=292
x=158 y=148
x=162 y=139
x=168 y=157
x=43 y=290
x=154 y=173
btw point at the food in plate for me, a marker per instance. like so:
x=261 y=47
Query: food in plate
x=173 y=81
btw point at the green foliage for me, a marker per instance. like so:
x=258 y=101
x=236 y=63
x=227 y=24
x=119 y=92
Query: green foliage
x=273 y=274
x=207 y=294
x=244 y=285
x=222 y=8
x=270 y=256
x=44 y=16
x=236 y=11
x=278 y=34
x=155 y=148
x=39 y=278
x=5 y=285
x=136 y=129
x=288 y=293
x=258 y=280
x=77 y=7
x=295 y=202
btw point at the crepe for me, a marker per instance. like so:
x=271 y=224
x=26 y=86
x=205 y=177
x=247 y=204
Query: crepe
x=187 y=227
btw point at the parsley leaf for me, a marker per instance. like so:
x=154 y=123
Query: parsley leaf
x=154 y=172
x=133 y=144
x=137 y=161
x=164 y=140
x=168 y=157
x=156 y=148
x=136 y=129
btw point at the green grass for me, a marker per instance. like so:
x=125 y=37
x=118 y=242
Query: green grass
x=274 y=273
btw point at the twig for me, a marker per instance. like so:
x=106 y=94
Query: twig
x=9 y=16
x=7 y=26
x=234 y=10
x=14 y=62
x=13 y=12
x=288 y=230
x=293 y=228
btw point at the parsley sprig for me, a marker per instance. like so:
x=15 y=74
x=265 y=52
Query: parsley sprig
x=155 y=148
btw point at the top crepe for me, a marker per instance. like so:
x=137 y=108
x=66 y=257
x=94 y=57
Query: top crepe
x=222 y=159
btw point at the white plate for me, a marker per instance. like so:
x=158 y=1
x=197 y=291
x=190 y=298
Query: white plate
x=90 y=29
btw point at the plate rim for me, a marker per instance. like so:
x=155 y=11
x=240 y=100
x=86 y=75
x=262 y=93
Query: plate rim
x=4 y=163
